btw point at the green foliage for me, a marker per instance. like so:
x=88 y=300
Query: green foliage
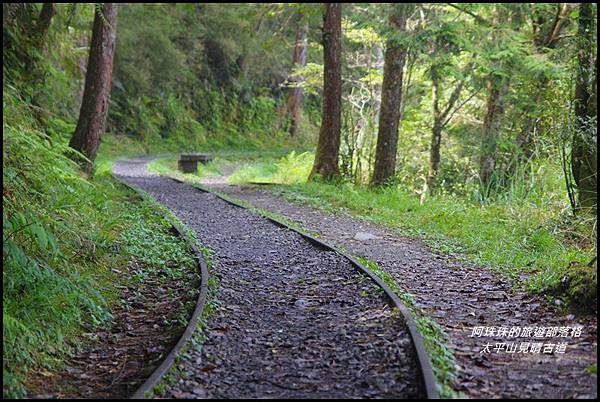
x=153 y=244
x=63 y=239
x=206 y=86
x=290 y=169
x=521 y=235
x=44 y=295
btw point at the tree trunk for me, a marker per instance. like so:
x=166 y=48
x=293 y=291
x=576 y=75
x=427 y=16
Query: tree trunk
x=436 y=132
x=440 y=119
x=497 y=88
x=327 y=155
x=43 y=22
x=584 y=150
x=391 y=100
x=299 y=60
x=543 y=39
x=94 y=106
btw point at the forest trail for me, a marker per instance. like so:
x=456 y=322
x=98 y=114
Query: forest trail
x=292 y=321
x=459 y=296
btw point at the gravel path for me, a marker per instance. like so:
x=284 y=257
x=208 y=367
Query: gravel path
x=461 y=296
x=293 y=321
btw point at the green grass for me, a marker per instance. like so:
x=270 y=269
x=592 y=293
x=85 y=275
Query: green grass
x=520 y=240
x=526 y=232
x=67 y=243
x=288 y=169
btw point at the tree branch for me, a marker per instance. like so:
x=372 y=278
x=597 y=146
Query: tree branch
x=560 y=22
x=472 y=14
x=456 y=93
x=458 y=108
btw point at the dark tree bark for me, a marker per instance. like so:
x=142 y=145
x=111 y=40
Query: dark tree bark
x=327 y=155
x=436 y=132
x=94 y=106
x=584 y=150
x=298 y=60
x=391 y=100
x=43 y=23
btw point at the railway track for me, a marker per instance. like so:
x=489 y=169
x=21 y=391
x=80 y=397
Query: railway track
x=324 y=322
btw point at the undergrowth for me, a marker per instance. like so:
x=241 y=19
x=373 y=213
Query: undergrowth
x=66 y=243
x=289 y=169
x=521 y=240
x=526 y=232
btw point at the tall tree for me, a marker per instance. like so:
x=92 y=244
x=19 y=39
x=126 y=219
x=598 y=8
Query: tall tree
x=502 y=62
x=546 y=35
x=441 y=117
x=584 y=163
x=327 y=155
x=497 y=87
x=43 y=22
x=298 y=61
x=391 y=98
x=94 y=105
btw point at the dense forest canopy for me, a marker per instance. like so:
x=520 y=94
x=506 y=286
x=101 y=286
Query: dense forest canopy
x=456 y=106
x=484 y=93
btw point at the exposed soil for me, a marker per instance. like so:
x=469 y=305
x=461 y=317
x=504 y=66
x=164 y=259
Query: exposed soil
x=293 y=321
x=114 y=362
x=460 y=296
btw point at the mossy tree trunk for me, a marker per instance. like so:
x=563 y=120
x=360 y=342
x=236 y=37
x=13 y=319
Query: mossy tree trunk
x=497 y=88
x=327 y=155
x=584 y=151
x=391 y=100
x=94 y=105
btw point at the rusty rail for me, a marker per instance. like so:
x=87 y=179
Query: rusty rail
x=429 y=380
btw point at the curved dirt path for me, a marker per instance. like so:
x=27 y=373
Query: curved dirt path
x=460 y=296
x=293 y=321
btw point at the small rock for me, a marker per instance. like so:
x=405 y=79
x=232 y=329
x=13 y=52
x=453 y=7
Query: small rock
x=364 y=236
x=199 y=392
x=301 y=303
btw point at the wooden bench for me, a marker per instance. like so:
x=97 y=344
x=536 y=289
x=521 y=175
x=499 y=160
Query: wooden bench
x=188 y=163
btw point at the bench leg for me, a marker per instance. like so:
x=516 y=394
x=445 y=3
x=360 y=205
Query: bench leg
x=188 y=166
